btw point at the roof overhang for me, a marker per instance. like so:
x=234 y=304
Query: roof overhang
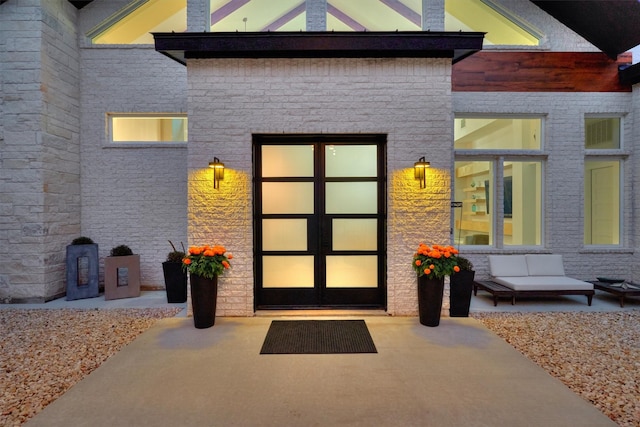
x=410 y=44
x=629 y=74
x=613 y=26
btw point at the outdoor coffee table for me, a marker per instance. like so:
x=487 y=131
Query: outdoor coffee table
x=621 y=290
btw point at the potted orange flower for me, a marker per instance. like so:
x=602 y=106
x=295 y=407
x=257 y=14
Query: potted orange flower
x=432 y=264
x=204 y=264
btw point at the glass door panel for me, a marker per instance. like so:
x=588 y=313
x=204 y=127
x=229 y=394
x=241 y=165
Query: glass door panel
x=352 y=271
x=284 y=234
x=351 y=161
x=287 y=198
x=287 y=161
x=288 y=271
x=354 y=234
x=352 y=197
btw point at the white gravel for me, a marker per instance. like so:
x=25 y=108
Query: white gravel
x=45 y=352
x=597 y=355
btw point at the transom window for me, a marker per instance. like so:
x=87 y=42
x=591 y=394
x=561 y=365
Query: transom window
x=147 y=128
x=498 y=179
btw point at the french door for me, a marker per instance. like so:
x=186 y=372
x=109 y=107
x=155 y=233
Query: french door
x=319 y=217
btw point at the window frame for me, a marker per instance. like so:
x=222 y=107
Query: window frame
x=619 y=155
x=498 y=157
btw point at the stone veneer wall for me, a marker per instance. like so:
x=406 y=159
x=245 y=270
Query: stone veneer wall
x=133 y=194
x=39 y=147
x=409 y=100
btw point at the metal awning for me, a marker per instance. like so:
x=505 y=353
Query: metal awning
x=411 y=44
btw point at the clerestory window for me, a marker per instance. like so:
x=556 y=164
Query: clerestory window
x=147 y=128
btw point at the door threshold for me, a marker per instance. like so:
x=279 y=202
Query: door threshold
x=320 y=313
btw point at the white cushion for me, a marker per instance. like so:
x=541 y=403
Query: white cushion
x=543 y=283
x=545 y=265
x=508 y=265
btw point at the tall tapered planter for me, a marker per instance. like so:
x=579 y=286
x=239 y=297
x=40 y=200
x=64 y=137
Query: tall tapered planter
x=430 y=293
x=175 y=281
x=460 y=294
x=204 y=293
x=82 y=265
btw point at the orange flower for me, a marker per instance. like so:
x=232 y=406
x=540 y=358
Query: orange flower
x=456 y=269
x=427 y=271
x=186 y=261
x=195 y=250
x=418 y=262
x=225 y=264
x=229 y=256
x=447 y=254
x=432 y=267
x=209 y=252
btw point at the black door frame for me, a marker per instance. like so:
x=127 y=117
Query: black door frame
x=319 y=229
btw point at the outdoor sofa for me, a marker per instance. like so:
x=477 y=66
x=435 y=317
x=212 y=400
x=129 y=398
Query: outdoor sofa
x=531 y=275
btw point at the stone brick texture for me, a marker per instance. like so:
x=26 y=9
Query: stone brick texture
x=39 y=146
x=408 y=100
x=60 y=177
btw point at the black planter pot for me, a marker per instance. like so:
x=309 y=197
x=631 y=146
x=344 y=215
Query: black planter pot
x=460 y=296
x=204 y=293
x=430 y=293
x=175 y=281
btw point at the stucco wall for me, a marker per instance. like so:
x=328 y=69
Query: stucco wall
x=406 y=99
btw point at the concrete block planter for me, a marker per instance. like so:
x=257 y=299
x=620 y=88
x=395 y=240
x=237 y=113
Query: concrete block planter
x=121 y=276
x=82 y=265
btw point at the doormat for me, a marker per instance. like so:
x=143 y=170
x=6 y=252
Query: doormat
x=318 y=337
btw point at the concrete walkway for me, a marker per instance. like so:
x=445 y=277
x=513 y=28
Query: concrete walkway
x=458 y=374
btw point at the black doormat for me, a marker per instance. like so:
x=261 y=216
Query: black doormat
x=318 y=337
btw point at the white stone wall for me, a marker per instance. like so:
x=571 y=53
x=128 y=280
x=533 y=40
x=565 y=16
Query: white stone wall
x=132 y=194
x=563 y=185
x=406 y=99
x=39 y=147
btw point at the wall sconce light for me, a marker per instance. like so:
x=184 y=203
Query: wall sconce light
x=218 y=172
x=419 y=169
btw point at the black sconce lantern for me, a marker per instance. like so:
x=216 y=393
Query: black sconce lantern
x=218 y=172
x=420 y=171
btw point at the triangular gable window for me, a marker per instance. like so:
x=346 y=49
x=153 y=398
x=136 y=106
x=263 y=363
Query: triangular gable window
x=501 y=26
x=135 y=23
x=291 y=15
x=374 y=15
x=258 y=15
